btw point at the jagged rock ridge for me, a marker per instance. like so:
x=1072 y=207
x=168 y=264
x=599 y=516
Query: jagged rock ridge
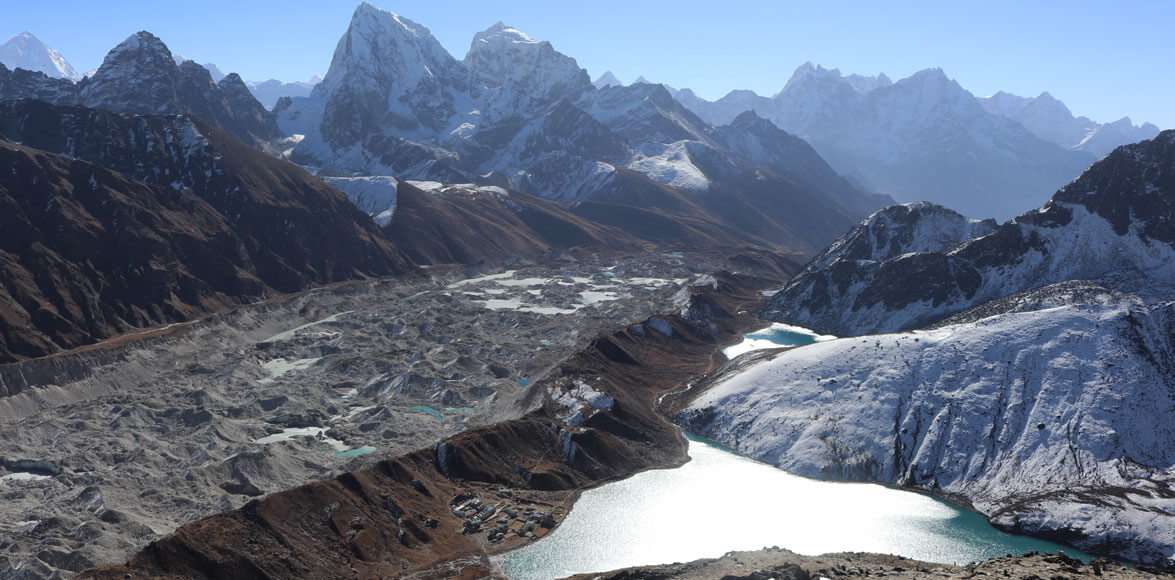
x=141 y=76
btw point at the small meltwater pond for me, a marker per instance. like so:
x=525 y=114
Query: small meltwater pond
x=720 y=502
x=775 y=336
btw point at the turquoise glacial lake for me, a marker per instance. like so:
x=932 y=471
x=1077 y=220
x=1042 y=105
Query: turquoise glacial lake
x=720 y=501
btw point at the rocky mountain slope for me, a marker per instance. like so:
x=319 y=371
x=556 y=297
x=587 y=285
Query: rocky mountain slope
x=516 y=112
x=88 y=253
x=28 y=52
x=885 y=135
x=1042 y=403
x=272 y=227
x=24 y=84
x=141 y=76
x=470 y=224
x=1049 y=119
x=1114 y=221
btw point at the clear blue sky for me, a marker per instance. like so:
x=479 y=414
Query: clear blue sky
x=1105 y=59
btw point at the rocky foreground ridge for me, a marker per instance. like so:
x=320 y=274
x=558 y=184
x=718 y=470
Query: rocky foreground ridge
x=784 y=565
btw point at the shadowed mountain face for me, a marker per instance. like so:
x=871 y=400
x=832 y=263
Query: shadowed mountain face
x=140 y=76
x=257 y=225
x=470 y=224
x=88 y=253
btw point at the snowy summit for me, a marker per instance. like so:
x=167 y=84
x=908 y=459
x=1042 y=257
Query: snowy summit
x=28 y=52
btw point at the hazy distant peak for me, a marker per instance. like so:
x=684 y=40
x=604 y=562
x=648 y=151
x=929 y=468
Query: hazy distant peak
x=808 y=74
x=864 y=84
x=932 y=75
x=607 y=80
x=217 y=74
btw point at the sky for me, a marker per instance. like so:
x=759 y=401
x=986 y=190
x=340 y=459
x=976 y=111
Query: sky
x=1106 y=60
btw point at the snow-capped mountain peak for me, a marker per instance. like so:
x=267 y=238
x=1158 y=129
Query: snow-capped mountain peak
x=387 y=64
x=502 y=32
x=28 y=52
x=520 y=72
x=385 y=51
x=808 y=73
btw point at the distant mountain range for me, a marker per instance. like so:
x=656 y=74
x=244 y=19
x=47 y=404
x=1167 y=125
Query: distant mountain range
x=926 y=138
x=271 y=91
x=517 y=113
x=919 y=138
x=1048 y=118
x=26 y=51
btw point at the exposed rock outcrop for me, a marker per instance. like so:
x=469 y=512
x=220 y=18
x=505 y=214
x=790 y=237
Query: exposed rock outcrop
x=140 y=76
